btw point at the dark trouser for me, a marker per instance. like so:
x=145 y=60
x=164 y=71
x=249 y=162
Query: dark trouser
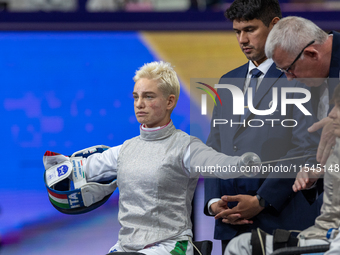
x=224 y=245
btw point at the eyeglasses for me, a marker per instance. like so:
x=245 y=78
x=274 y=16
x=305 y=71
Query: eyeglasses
x=296 y=59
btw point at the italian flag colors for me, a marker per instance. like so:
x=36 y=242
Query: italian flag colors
x=59 y=200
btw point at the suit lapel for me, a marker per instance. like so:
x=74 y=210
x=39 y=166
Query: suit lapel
x=267 y=83
x=238 y=79
x=335 y=61
x=335 y=65
x=239 y=82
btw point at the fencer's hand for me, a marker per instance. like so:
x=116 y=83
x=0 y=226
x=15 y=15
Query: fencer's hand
x=327 y=140
x=218 y=207
x=247 y=207
x=306 y=178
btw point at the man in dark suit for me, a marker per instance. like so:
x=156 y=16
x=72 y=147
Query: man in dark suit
x=268 y=203
x=318 y=60
x=304 y=52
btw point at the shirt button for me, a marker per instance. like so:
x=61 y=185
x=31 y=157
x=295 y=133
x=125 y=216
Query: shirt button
x=235 y=148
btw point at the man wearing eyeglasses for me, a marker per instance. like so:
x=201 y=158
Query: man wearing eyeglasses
x=260 y=202
x=304 y=52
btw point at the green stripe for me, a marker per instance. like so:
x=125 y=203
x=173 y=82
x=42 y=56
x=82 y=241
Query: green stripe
x=208 y=93
x=65 y=206
x=59 y=200
x=180 y=248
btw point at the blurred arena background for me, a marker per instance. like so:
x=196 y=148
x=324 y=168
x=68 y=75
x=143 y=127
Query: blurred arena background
x=66 y=83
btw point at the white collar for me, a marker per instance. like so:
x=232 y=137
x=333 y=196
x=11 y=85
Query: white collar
x=263 y=67
x=149 y=129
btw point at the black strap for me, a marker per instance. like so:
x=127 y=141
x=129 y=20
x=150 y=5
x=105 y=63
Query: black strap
x=283 y=238
x=302 y=250
x=258 y=242
x=205 y=247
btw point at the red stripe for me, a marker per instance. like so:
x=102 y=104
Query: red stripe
x=50 y=153
x=57 y=195
x=213 y=90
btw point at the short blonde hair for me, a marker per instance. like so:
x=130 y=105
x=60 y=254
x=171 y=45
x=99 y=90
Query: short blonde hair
x=164 y=74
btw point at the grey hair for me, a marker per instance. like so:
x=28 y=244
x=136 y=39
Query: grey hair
x=164 y=74
x=292 y=34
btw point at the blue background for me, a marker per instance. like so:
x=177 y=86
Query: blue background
x=62 y=91
x=65 y=91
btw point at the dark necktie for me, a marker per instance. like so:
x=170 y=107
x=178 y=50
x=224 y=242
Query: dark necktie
x=255 y=74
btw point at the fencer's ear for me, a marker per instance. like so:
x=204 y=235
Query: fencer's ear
x=171 y=101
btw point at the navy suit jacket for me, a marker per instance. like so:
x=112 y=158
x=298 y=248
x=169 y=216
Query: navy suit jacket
x=333 y=72
x=333 y=81
x=287 y=210
x=335 y=63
